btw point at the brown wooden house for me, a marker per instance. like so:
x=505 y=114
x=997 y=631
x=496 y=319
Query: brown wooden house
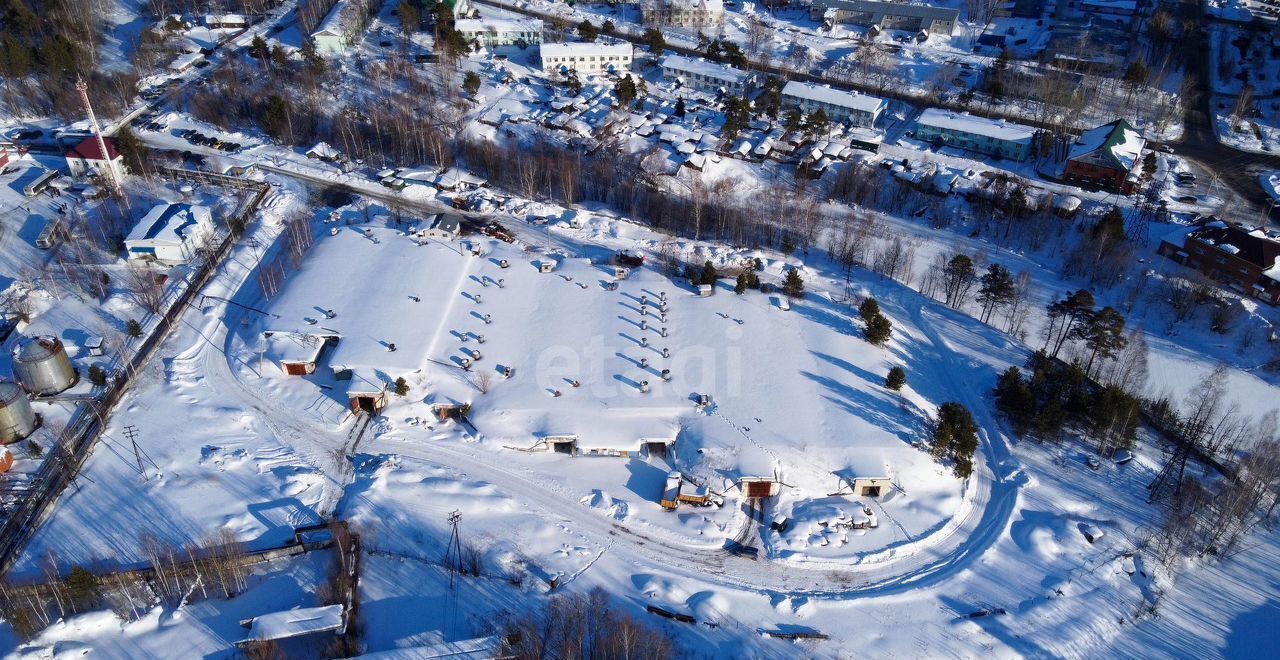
x=1107 y=157
x=1246 y=260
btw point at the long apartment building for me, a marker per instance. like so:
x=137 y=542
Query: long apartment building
x=682 y=13
x=491 y=32
x=705 y=76
x=886 y=15
x=858 y=109
x=994 y=137
x=586 y=57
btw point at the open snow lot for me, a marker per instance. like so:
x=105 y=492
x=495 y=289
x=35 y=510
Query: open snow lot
x=798 y=395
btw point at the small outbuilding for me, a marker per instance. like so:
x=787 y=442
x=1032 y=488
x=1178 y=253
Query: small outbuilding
x=444 y=227
x=297 y=353
x=671 y=491
x=872 y=486
x=366 y=393
x=294 y=623
x=547 y=265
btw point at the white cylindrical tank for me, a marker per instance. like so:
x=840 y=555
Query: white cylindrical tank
x=41 y=365
x=17 y=420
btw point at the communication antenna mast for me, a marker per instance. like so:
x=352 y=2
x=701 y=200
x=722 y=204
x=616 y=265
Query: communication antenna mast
x=83 y=88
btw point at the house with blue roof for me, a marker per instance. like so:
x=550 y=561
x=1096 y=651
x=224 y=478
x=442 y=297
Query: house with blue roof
x=170 y=234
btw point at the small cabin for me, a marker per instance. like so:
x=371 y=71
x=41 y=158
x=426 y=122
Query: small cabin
x=296 y=353
x=447 y=411
x=561 y=444
x=547 y=265
x=759 y=487
x=872 y=486
x=367 y=393
x=671 y=491
x=95 y=346
x=705 y=290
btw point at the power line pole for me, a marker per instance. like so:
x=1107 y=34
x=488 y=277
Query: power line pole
x=131 y=432
x=453 y=551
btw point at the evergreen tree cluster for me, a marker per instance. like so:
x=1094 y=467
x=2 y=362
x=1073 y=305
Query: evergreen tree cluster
x=955 y=438
x=746 y=280
x=878 y=326
x=1053 y=396
x=707 y=275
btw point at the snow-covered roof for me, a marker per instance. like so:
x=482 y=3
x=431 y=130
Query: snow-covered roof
x=963 y=122
x=185 y=61
x=302 y=621
x=497 y=25
x=697 y=65
x=335 y=22
x=580 y=49
x=170 y=224
x=292 y=347
x=1118 y=143
x=225 y=19
x=323 y=150
x=836 y=97
x=88 y=149
x=480 y=648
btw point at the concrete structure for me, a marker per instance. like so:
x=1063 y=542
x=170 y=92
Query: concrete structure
x=586 y=58
x=41 y=365
x=886 y=15
x=334 y=34
x=491 y=32
x=682 y=13
x=86 y=157
x=986 y=136
x=17 y=419
x=705 y=76
x=1246 y=260
x=170 y=233
x=1107 y=156
x=858 y=109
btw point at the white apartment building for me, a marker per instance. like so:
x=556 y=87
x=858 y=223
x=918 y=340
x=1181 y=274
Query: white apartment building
x=491 y=32
x=682 y=13
x=586 y=57
x=703 y=75
x=859 y=109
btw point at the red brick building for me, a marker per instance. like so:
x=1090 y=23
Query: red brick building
x=1107 y=156
x=1246 y=260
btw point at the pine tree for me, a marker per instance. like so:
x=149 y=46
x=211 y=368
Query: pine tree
x=1066 y=317
x=653 y=39
x=135 y=153
x=709 y=274
x=817 y=122
x=740 y=286
x=788 y=245
x=869 y=309
x=957 y=280
x=879 y=329
x=471 y=83
x=587 y=31
x=402 y=387
x=680 y=108
x=997 y=290
x=134 y=328
x=97 y=375
x=1103 y=333
x=625 y=90
x=955 y=437
x=896 y=379
x=1015 y=400
x=793 y=284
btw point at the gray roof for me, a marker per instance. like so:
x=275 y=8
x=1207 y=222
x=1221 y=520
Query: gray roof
x=891 y=8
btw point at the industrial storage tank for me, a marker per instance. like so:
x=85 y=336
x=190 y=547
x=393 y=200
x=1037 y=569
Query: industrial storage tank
x=17 y=419
x=41 y=365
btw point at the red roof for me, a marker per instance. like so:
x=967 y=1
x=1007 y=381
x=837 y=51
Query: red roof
x=88 y=150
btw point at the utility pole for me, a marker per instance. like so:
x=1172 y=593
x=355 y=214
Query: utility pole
x=453 y=551
x=131 y=432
